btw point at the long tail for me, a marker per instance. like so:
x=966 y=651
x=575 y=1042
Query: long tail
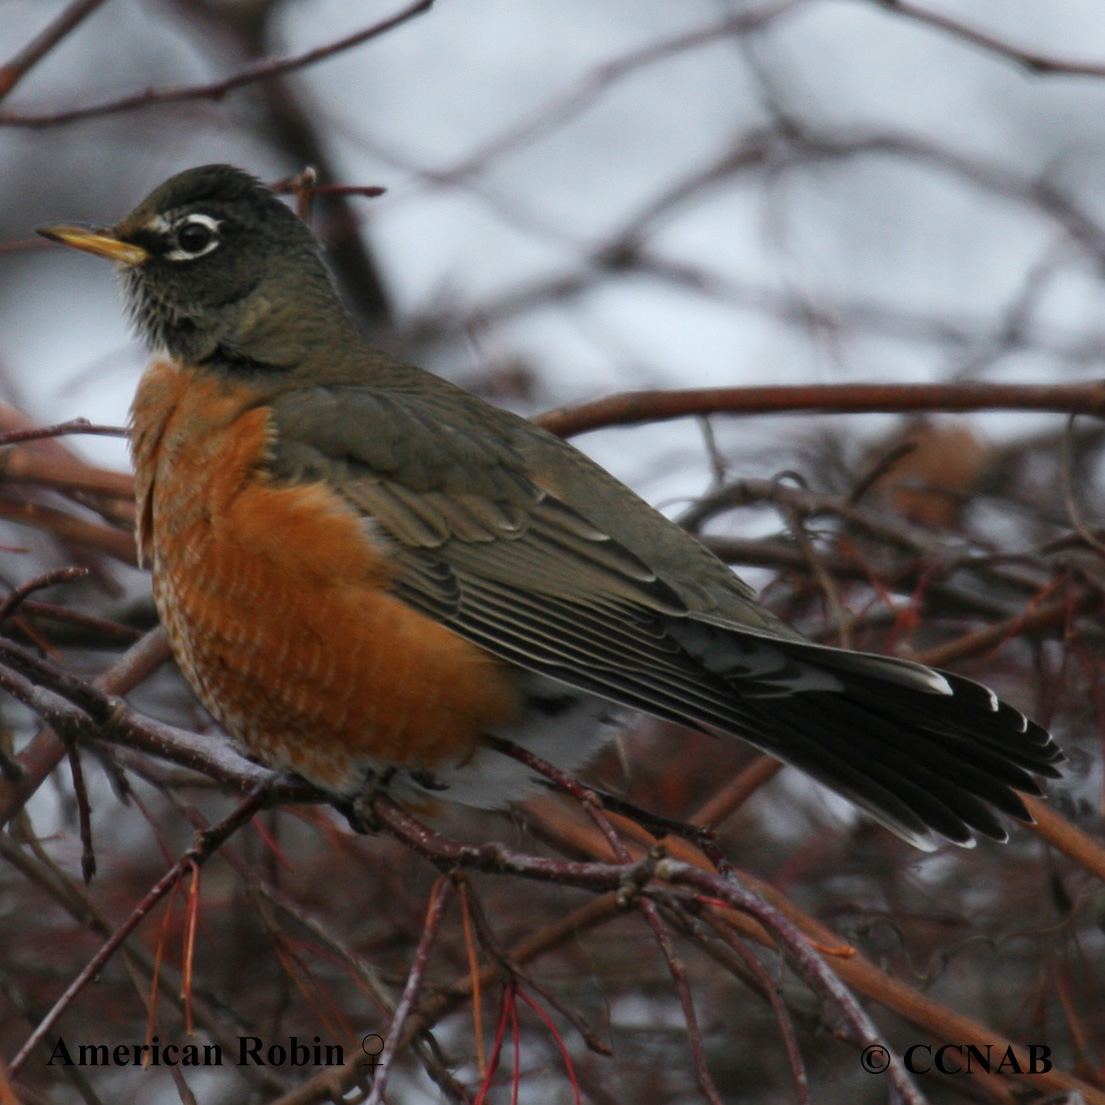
x=924 y=752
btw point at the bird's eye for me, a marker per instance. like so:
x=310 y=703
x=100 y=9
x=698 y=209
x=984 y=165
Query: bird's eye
x=195 y=236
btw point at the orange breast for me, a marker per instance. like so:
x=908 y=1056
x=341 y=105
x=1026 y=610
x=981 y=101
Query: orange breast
x=275 y=601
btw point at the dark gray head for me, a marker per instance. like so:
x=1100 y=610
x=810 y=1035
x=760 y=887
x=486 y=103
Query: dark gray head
x=216 y=269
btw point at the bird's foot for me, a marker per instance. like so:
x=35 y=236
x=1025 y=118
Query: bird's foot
x=361 y=813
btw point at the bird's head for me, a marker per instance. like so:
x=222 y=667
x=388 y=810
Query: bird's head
x=217 y=269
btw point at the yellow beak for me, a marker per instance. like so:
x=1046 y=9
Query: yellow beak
x=103 y=243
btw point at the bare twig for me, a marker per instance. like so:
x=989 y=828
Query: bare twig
x=84 y=813
x=61 y=429
x=206 y=844
x=678 y=971
x=1036 y=619
x=604 y=76
x=31 y=54
x=1035 y=62
x=45 y=751
x=774 y=995
x=250 y=74
x=633 y=408
x=442 y=894
x=12 y=602
x=67 y=527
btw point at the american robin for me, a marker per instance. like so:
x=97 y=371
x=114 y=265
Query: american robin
x=362 y=568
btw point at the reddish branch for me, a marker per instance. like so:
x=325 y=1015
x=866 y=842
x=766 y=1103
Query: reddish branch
x=634 y=407
x=61 y=429
x=68 y=527
x=88 y=627
x=770 y=989
x=645 y=880
x=591 y=803
x=1066 y=838
x=19 y=595
x=19 y=465
x=645 y=876
x=206 y=844
x=1050 y=617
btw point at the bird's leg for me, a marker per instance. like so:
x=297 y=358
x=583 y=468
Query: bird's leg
x=360 y=814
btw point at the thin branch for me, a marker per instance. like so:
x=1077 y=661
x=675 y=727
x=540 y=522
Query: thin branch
x=591 y=803
x=206 y=844
x=1035 y=620
x=439 y=901
x=583 y=96
x=774 y=995
x=84 y=813
x=1065 y=837
x=31 y=54
x=736 y=791
x=75 y=901
x=1032 y=60
x=250 y=74
x=1074 y=511
x=86 y=628
x=61 y=429
x=68 y=527
x=635 y=407
x=10 y=604
x=26 y=466
x=45 y=750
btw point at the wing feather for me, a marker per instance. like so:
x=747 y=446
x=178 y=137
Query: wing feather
x=484 y=546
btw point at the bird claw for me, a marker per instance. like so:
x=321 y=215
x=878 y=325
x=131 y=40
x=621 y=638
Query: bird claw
x=361 y=813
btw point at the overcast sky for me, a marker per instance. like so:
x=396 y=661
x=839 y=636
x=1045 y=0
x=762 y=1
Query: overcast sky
x=889 y=191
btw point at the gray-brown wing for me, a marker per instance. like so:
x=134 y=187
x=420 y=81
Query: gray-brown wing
x=485 y=550
x=486 y=546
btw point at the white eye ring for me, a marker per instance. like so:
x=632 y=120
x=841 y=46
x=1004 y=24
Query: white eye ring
x=205 y=221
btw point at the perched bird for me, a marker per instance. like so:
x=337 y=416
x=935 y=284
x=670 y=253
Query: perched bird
x=362 y=568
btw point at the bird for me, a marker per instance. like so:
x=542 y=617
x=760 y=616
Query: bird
x=365 y=571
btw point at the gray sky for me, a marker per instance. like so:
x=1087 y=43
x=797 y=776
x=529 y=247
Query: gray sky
x=901 y=217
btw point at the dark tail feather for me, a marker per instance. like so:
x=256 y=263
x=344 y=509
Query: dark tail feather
x=923 y=752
